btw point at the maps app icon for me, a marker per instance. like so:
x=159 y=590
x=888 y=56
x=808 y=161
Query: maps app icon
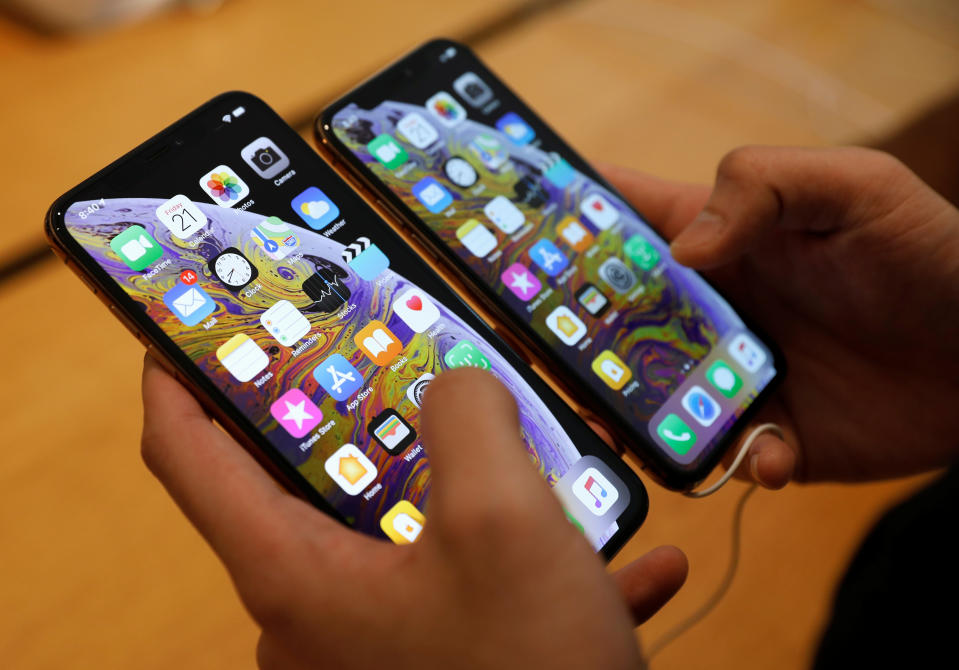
x=365 y=258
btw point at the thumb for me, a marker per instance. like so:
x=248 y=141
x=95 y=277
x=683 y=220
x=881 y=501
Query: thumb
x=760 y=191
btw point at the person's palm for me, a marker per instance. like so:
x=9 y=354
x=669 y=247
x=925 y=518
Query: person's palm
x=850 y=264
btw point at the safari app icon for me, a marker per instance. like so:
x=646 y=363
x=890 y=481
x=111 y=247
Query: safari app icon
x=315 y=208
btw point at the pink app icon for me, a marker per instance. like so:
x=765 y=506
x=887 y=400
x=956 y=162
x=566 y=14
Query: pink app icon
x=296 y=413
x=521 y=281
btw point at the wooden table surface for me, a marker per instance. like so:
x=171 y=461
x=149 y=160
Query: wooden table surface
x=100 y=569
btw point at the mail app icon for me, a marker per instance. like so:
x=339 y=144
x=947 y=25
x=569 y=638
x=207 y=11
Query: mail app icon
x=189 y=302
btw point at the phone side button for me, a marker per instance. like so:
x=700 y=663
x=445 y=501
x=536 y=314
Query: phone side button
x=125 y=321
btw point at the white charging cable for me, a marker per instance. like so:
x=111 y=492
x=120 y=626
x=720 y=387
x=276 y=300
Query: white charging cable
x=743 y=450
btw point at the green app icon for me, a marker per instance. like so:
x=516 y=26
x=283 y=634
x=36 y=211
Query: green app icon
x=723 y=378
x=465 y=354
x=676 y=434
x=641 y=252
x=388 y=151
x=136 y=247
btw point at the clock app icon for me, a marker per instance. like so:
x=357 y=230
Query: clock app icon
x=232 y=268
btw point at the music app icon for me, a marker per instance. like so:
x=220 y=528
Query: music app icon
x=596 y=492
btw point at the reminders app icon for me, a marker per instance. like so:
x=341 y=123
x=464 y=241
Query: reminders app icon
x=190 y=303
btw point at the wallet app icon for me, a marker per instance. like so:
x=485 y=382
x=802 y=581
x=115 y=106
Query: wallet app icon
x=190 y=303
x=392 y=432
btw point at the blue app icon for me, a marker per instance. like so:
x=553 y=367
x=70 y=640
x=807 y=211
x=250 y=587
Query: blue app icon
x=701 y=406
x=338 y=377
x=518 y=131
x=548 y=257
x=432 y=194
x=365 y=258
x=189 y=302
x=315 y=208
x=560 y=174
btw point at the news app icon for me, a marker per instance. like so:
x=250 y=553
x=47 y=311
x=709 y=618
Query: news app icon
x=391 y=431
x=596 y=492
x=378 y=343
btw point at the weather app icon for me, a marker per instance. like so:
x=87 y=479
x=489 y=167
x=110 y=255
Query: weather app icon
x=315 y=208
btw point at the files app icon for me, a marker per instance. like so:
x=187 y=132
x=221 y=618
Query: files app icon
x=190 y=303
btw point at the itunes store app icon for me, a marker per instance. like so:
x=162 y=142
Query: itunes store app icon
x=416 y=310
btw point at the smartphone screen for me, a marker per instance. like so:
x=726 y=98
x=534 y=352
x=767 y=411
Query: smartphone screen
x=649 y=342
x=231 y=244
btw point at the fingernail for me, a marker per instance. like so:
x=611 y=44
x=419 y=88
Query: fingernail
x=705 y=228
x=754 y=467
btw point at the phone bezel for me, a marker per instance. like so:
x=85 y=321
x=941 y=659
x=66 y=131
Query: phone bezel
x=669 y=473
x=179 y=364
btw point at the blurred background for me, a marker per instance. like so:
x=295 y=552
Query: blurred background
x=99 y=569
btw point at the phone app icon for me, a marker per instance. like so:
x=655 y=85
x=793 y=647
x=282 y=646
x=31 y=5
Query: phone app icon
x=338 y=377
x=418 y=131
x=504 y=214
x=466 y=355
x=489 y=150
x=350 y=469
x=190 y=303
x=566 y=325
x=476 y=237
x=403 y=523
x=327 y=290
x=559 y=173
x=515 y=128
x=473 y=89
x=365 y=258
x=181 y=217
x=285 y=323
x=611 y=369
x=378 y=343
x=746 y=352
x=445 y=108
x=416 y=310
x=296 y=413
x=575 y=234
x=233 y=269
x=596 y=492
x=276 y=238
x=548 y=257
x=315 y=208
x=521 y=282
x=223 y=186
x=676 y=434
x=415 y=391
x=724 y=379
x=388 y=151
x=136 y=248
x=460 y=171
x=242 y=357
x=593 y=300
x=615 y=273
x=641 y=252
x=265 y=157
x=432 y=194
x=598 y=211
x=391 y=431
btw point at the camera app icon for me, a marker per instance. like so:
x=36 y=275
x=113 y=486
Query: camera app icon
x=265 y=157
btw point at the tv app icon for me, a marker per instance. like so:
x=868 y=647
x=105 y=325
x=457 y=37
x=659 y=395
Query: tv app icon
x=392 y=432
x=327 y=290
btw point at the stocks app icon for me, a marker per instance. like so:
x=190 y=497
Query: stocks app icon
x=327 y=290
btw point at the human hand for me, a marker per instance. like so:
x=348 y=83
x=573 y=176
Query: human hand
x=850 y=264
x=498 y=576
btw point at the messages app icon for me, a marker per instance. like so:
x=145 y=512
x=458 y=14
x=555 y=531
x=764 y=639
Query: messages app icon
x=315 y=208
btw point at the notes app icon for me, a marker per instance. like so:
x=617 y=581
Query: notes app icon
x=378 y=343
x=242 y=357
